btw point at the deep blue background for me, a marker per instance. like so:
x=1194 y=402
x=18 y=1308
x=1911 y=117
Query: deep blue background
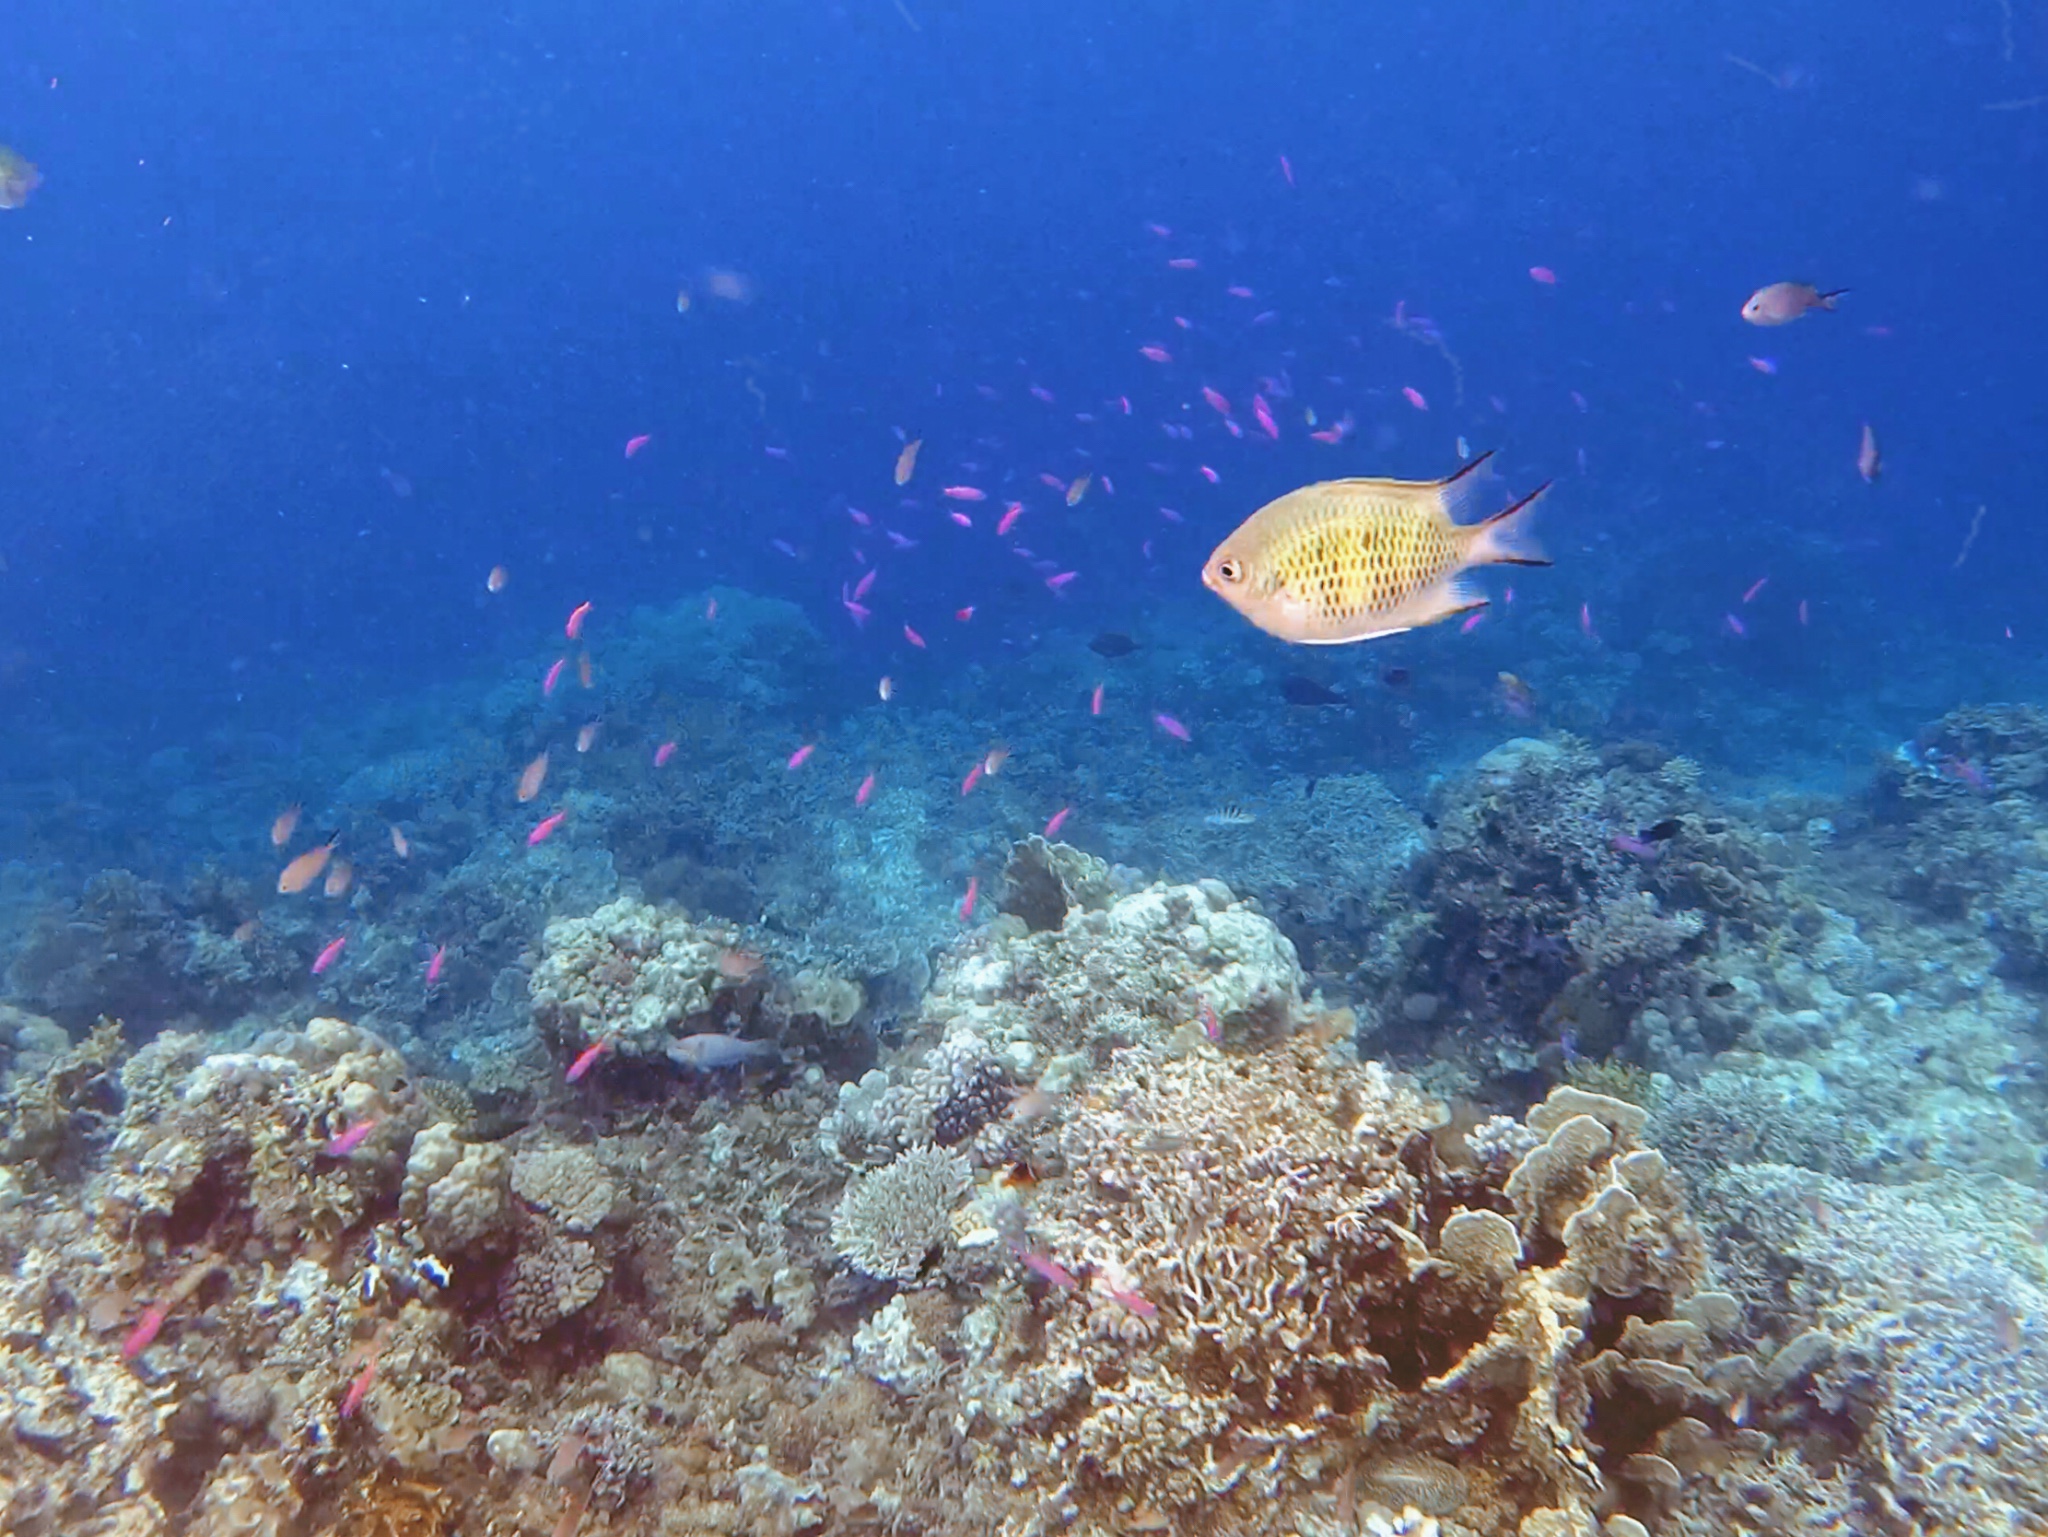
x=291 y=256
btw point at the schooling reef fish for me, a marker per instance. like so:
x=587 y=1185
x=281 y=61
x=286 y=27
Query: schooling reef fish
x=1349 y=560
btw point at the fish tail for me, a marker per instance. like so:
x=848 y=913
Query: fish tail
x=1504 y=538
x=1457 y=489
x=1827 y=300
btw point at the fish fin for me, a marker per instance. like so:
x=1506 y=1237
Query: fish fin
x=1347 y=640
x=1503 y=539
x=1827 y=300
x=1446 y=600
x=1455 y=492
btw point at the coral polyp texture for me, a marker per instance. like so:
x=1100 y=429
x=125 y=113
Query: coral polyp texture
x=1677 y=1206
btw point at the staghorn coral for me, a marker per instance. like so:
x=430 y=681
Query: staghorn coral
x=1314 y=1300
x=891 y=1219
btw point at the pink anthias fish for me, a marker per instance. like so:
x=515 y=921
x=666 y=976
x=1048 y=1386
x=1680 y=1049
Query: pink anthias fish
x=359 y=1387
x=353 y=1137
x=1095 y=700
x=663 y=753
x=544 y=829
x=1414 y=397
x=435 y=963
x=913 y=637
x=1129 y=1298
x=1010 y=516
x=973 y=778
x=801 y=756
x=636 y=443
x=1755 y=587
x=1172 y=727
x=1059 y=580
x=1218 y=401
x=1263 y=415
x=964 y=493
x=1636 y=848
x=554 y=676
x=1044 y=1266
x=1212 y=1027
x=147 y=1327
x=586 y=1059
x=867 y=788
x=967 y=902
x=329 y=955
x=1057 y=821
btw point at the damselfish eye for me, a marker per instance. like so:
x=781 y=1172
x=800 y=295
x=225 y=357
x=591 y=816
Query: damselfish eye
x=1230 y=571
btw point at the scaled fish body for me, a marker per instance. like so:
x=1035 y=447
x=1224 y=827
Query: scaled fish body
x=1778 y=304
x=1349 y=560
x=708 y=1053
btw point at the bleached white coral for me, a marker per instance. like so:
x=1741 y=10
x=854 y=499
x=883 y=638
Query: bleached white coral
x=890 y=1219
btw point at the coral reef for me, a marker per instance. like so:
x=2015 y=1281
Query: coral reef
x=641 y=979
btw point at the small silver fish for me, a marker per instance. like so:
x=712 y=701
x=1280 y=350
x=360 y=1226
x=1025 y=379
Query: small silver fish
x=709 y=1053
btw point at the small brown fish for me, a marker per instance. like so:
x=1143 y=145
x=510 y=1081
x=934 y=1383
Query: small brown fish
x=340 y=876
x=282 y=829
x=1778 y=304
x=586 y=736
x=399 y=843
x=534 y=776
x=304 y=870
x=906 y=462
x=1868 y=463
x=496 y=581
x=738 y=965
x=1350 y=560
x=584 y=676
x=1078 y=488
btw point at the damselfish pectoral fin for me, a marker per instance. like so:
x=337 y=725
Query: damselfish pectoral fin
x=1433 y=605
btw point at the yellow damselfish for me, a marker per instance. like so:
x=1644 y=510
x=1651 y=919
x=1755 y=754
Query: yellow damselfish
x=1348 y=560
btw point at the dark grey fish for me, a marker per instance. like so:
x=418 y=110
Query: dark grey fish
x=709 y=1053
x=1309 y=694
x=1112 y=643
